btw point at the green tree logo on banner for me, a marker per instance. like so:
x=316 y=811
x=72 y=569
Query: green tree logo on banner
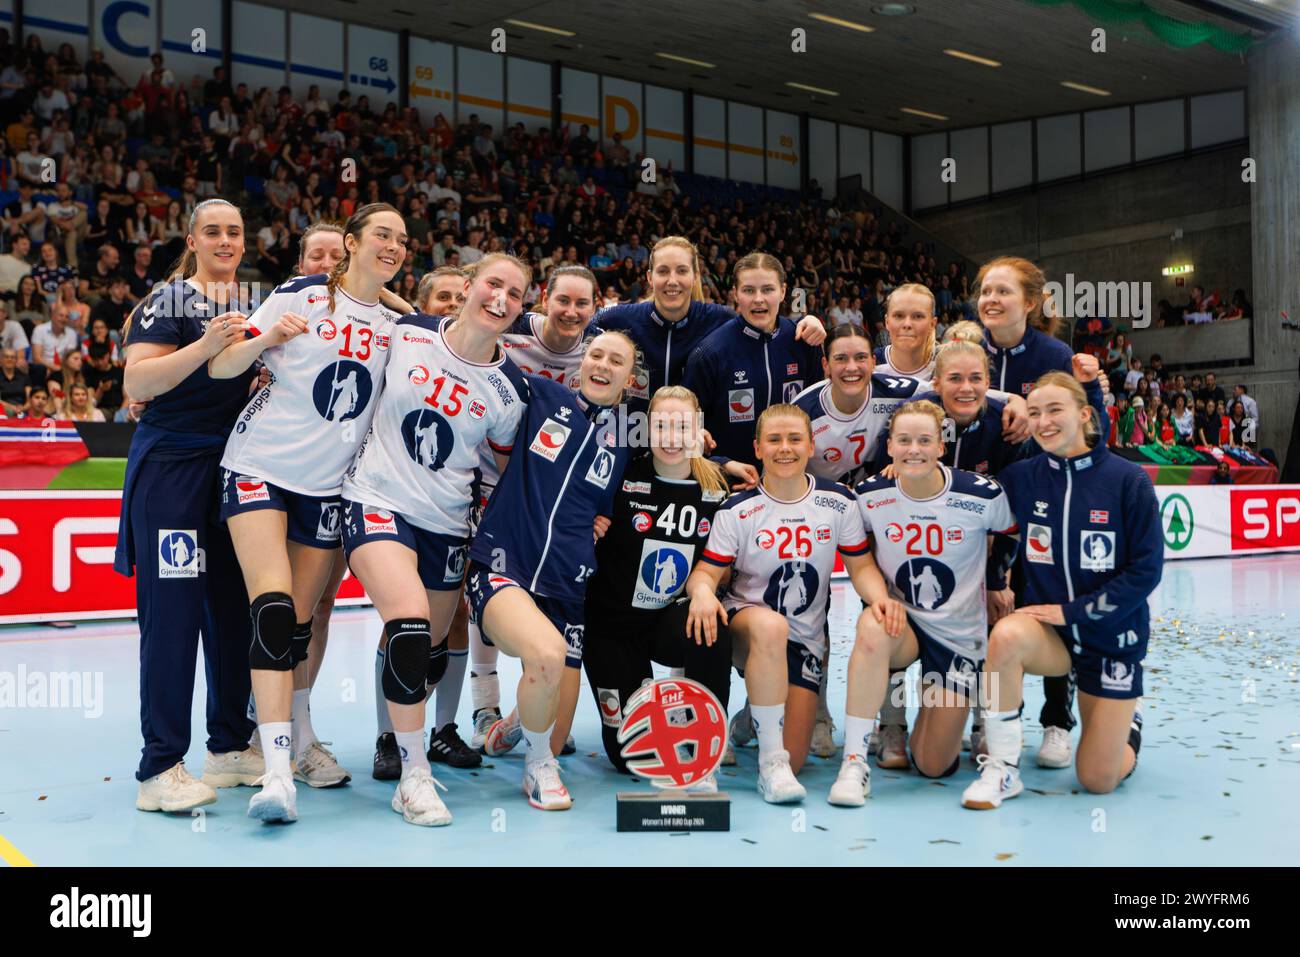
x=1177 y=521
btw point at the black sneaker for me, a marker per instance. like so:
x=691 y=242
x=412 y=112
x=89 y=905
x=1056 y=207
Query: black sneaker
x=446 y=746
x=569 y=746
x=388 y=761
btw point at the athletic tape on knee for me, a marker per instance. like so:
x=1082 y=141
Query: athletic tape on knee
x=301 y=639
x=406 y=662
x=273 y=626
x=437 y=661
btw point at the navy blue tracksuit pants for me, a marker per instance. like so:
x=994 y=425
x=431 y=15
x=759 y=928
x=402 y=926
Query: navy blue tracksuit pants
x=188 y=588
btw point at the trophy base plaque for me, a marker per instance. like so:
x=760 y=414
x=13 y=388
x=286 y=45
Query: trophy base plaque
x=674 y=811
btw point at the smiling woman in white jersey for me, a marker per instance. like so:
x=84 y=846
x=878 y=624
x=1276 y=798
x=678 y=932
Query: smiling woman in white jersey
x=320 y=250
x=929 y=527
x=781 y=538
x=549 y=343
x=285 y=462
x=441 y=293
x=407 y=498
x=849 y=411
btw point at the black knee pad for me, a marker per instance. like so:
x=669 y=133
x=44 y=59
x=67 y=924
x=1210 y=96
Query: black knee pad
x=273 y=627
x=406 y=663
x=437 y=661
x=301 y=639
x=952 y=768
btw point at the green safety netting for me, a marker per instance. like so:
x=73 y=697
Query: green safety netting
x=1178 y=33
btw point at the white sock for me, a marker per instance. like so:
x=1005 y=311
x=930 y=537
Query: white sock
x=382 y=721
x=276 y=749
x=304 y=736
x=769 y=722
x=448 y=700
x=484 y=688
x=893 y=711
x=1002 y=732
x=856 y=733
x=537 y=745
x=410 y=745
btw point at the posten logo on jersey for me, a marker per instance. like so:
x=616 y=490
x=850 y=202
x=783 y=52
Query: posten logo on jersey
x=550 y=438
x=740 y=405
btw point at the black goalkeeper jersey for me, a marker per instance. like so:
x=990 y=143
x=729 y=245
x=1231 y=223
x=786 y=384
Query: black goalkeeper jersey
x=657 y=530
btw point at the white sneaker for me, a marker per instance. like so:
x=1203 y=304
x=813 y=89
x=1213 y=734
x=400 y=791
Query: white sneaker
x=997 y=782
x=318 y=768
x=705 y=785
x=173 y=790
x=823 y=744
x=484 y=718
x=853 y=783
x=892 y=752
x=277 y=801
x=776 y=781
x=741 y=729
x=1055 y=751
x=233 y=768
x=504 y=734
x=417 y=800
x=543 y=786
x=728 y=756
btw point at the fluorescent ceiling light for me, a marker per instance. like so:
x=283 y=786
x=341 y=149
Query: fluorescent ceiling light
x=685 y=59
x=537 y=26
x=811 y=89
x=928 y=116
x=984 y=61
x=826 y=18
x=1085 y=89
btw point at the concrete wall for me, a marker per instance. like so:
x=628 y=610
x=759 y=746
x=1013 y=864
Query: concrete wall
x=1195 y=346
x=1119 y=227
x=1275 y=236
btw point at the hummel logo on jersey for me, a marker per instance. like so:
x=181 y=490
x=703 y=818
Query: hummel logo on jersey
x=148 y=315
x=741 y=375
x=896 y=383
x=1040 y=510
x=564 y=413
x=550 y=438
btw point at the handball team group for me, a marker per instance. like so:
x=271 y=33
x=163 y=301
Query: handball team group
x=472 y=464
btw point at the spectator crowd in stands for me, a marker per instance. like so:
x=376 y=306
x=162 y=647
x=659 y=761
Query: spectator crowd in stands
x=101 y=177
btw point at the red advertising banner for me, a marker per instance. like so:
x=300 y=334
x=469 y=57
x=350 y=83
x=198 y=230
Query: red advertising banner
x=56 y=559
x=1265 y=518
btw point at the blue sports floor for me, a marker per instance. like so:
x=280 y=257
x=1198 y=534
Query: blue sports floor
x=1219 y=771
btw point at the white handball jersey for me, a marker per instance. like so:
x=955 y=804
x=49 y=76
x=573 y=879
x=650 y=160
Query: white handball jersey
x=523 y=344
x=784 y=552
x=421 y=456
x=844 y=443
x=302 y=431
x=885 y=366
x=933 y=552
x=524 y=347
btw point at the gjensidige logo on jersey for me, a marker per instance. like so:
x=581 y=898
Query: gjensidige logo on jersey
x=428 y=438
x=342 y=390
x=663 y=570
x=673 y=732
x=179 y=555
